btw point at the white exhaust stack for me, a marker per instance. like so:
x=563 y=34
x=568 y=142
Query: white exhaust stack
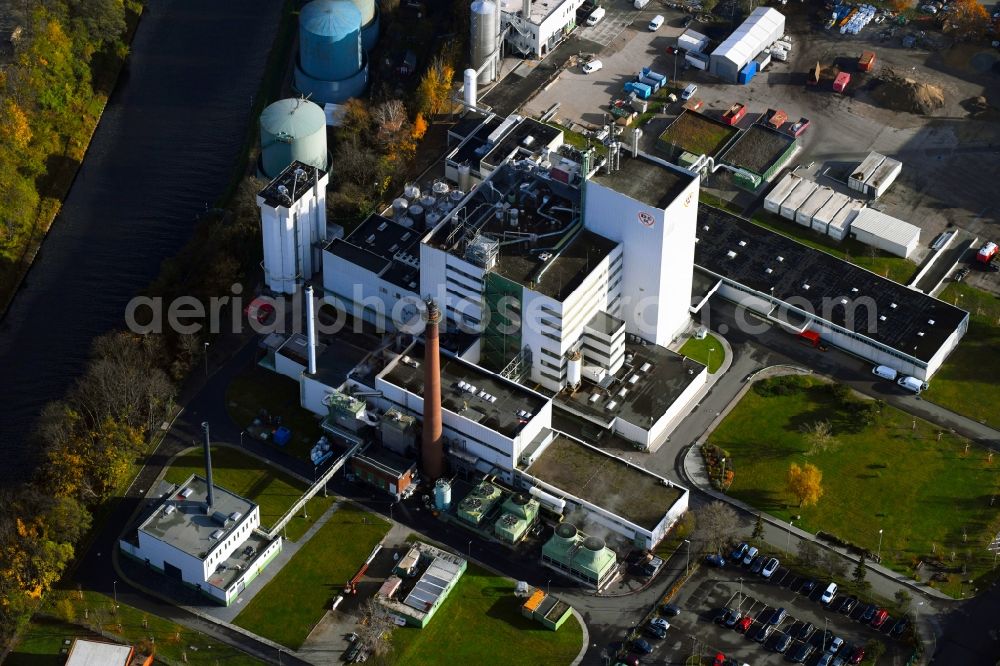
x=470 y=88
x=311 y=329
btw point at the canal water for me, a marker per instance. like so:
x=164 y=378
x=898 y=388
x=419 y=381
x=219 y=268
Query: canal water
x=163 y=151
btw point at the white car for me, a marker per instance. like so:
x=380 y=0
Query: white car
x=592 y=66
x=655 y=24
x=770 y=567
x=752 y=553
x=912 y=384
x=689 y=92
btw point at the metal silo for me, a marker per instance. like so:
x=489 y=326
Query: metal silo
x=330 y=39
x=332 y=66
x=369 y=22
x=485 y=22
x=292 y=129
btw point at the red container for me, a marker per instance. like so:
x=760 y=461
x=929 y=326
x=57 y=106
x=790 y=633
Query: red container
x=840 y=83
x=866 y=61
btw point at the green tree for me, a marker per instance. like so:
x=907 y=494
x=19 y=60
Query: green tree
x=904 y=599
x=860 y=571
x=758 y=529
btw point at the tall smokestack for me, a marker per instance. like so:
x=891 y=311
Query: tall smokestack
x=311 y=329
x=208 y=467
x=433 y=456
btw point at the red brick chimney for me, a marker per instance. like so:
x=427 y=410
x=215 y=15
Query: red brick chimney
x=431 y=452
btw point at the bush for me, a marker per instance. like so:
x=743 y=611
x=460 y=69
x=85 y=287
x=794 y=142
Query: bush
x=784 y=385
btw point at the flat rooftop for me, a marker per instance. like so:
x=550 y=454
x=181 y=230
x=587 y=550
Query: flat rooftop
x=186 y=527
x=605 y=481
x=290 y=184
x=86 y=652
x=902 y=318
x=344 y=351
x=385 y=248
x=694 y=133
x=758 y=148
x=296 y=348
x=385 y=460
x=646 y=399
x=477 y=130
x=500 y=414
x=558 y=276
x=527 y=137
x=644 y=180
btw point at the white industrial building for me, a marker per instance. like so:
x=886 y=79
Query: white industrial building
x=757 y=33
x=801 y=289
x=874 y=175
x=293 y=223
x=205 y=537
x=692 y=41
x=534 y=28
x=885 y=232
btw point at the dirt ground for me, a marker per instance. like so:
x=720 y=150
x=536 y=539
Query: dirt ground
x=950 y=158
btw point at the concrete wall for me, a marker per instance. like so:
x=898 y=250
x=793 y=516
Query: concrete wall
x=288 y=236
x=365 y=295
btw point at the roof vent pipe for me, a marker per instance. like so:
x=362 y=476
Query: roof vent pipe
x=210 y=499
x=311 y=329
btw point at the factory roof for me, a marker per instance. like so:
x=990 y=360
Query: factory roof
x=504 y=413
x=477 y=132
x=290 y=184
x=902 y=319
x=181 y=521
x=558 y=276
x=97 y=653
x=754 y=34
x=527 y=138
x=385 y=248
x=296 y=348
x=343 y=353
x=694 y=133
x=611 y=483
x=385 y=461
x=652 y=183
x=758 y=148
x=648 y=394
x=885 y=226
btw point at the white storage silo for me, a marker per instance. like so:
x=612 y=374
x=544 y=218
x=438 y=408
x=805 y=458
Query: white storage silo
x=469 y=88
x=485 y=38
x=574 y=368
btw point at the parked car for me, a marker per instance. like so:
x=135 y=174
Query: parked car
x=885 y=372
x=912 y=384
x=721 y=614
x=758 y=565
x=762 y=633
x=652 y=567
x=352 y=652
x=744 y=624
x=835 y=644
x=670 y=610
x=593 y=66
x=715 y=560
x=802 y=652
x=868 y=613
x=751 y=554
x=825 y=660
x=688 y=20
x=596 y=16
x=739 y=552
x=642 y=645
x=807 y=587
x=902 y=624
x=777 y=616
x=804 y=631
x=828 y=594
x=659 y=622
x=850 y=603
x=656 y=631
x=928 y=9
x=857 y=656
x=655 y=24
x=732 y=617
x=689 y=91
x=782 y=642
x=770 y=568
x=822 y=639
x=881 y=615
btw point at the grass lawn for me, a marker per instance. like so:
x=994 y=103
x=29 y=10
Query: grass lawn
x=274 y=490
x=930 y=497
x=969 y=381
x=895 y=268
x=481 y=623
x=699 y=351
x=45 y=636
x=293 y=602
x=259 y=389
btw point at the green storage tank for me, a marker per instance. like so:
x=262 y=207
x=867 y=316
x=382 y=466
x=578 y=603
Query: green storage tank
x=292 y=129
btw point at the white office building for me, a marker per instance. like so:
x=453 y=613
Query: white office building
x=534 y=27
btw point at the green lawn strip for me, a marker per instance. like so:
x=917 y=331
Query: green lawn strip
x=297 y=597
x=895 y=268
x=481 y=623
x=968 y=382
x=41 y=643
x=698 y=350
x=259 y=389
x=929 y=496
x=247 y=476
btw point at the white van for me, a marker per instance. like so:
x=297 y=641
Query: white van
x=885 y=372
x=829 y=593
x=689 y=92
x=596 y=16
x=912 y=384
x=655 y=24
x=640 y=4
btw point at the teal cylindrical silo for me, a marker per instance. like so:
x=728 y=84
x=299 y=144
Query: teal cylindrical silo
x=292 y=129
x=330 y=40
x=369 y=22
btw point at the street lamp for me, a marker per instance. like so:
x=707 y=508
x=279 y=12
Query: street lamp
x=710 y=350
x=242 y=432
x=878 y=555
x=788 y=536
x=206 y=360
x=739 y=606
x=114 y=586
x=687 y=567
x=470 y=549
x=547 y=583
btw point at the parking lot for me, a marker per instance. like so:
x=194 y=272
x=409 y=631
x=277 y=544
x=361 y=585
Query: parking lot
x=698 y=628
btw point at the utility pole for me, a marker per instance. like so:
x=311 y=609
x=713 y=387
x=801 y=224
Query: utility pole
x=206 y=360
x=878 y=555
x=687 y=567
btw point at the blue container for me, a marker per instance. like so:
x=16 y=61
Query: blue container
x=330 y=40
x=747 y=73
x=282 y=436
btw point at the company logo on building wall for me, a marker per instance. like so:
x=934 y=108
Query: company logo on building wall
x=646 y=219
x=687 y=201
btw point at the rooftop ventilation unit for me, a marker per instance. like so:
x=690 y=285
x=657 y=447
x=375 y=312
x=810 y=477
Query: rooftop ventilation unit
x=893 y=306
x=881 y=317
x=806 y=286
x=405 y=236
x=633 y=379
x=169 y=509
x=235 y=515
x=611 y=405
x=768 y=271
x=731 y=254
x=646 y=367
x=370 y=239
x=743 y=243
x=218 y=534
x=383 y=226
x=930 y=321
x=780 y=258
x=187 y=492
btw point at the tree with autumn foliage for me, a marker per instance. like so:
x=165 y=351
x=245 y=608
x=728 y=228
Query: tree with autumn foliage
x=434 y=90
x=967 y=20
x=805 y=483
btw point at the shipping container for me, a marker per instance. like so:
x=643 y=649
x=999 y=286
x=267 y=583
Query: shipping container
x=650 y=74
x=780 y=192
x=822 y=218
x=816 y=200
x=775 y=118
x=814 y=74
x=883 y=177
x=840 y=226
x=840 y=83
x=692 y=42
x=653 y=84
x=747 y=73
x=796 y=198
x=640 y=89
x=734 y=114
x=763 y=60
x=856 y=181
x=866 y=61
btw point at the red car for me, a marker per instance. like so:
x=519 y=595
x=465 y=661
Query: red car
x=260 y=310
x=857 y=656
x=744 y=624
x=881 y=615
x=720 y=659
